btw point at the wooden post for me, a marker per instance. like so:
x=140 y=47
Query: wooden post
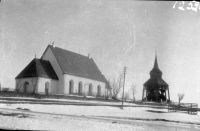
x=156 y=94
x=123 y=86
x=143 y=94
x=168 y=94
x=146 y=94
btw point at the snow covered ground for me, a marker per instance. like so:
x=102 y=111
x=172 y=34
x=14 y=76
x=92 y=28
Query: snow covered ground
x=72 y=117
x=129 y=112
x=30 y=121
x=46 y=100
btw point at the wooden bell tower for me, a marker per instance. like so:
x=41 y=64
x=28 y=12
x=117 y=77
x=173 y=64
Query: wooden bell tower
x=155 y=89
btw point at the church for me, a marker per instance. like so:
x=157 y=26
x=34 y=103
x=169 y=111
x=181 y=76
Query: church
x=62 y=72
x=155 y=89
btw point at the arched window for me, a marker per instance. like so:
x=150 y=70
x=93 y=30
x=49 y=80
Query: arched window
x=47 y=88
x=99 y=90
x=90 y=89
x=80 y=88
x=26 y=84
x=71 y=87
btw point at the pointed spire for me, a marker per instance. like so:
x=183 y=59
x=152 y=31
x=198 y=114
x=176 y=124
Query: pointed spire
x=155 y=63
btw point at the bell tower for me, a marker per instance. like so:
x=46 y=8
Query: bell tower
x=155 y=89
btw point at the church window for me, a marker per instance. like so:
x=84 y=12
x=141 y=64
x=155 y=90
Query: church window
x=71 y=86
x=99 y=90
x=90 y=89
x=80 y=88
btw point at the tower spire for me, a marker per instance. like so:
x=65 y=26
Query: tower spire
x=155 y=63
x=155 y=72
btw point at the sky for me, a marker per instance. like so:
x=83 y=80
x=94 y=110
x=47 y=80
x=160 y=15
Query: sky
x=116 y=33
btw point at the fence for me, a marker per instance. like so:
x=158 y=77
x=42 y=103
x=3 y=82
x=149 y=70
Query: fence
x=191 y=108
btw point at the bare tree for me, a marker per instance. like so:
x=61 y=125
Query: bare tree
x=116 y=85
x=133 y=90
x=109 y=89
x=180 y=97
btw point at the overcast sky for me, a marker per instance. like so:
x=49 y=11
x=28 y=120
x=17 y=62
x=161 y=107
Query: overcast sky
x=116 y=33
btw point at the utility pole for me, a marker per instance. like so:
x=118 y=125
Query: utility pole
x=123 y=86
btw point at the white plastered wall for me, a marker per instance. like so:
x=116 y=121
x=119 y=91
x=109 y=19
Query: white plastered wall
x=41 y=85
x=31 y=82
x=53 y=86
x=60 y=83
x=85 y=82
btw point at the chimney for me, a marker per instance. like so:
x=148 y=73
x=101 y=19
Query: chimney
x=53 y=44
x=89 y=56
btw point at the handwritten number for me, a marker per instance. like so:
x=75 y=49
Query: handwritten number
x=174 y=5
x=193 y=6
x=199 y=6
x=181 y=8
x=189 y=8
x=196 y=4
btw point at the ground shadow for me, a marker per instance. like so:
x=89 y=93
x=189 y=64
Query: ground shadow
x=184 y=112
x=19 y=115
x=156 y=111
x=19 y=108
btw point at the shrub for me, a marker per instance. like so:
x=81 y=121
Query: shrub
x=114 y=98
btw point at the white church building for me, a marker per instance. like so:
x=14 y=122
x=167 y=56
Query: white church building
x=62 y=72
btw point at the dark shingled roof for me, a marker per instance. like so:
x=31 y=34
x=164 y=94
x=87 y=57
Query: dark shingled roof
x=38 y=68
x=76 y=64
x=158 y=81
x=155 y=76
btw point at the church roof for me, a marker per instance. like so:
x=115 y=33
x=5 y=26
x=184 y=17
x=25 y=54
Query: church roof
x=76 y=64
x=157 y=81
x=155 y=76
x=38 y=68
